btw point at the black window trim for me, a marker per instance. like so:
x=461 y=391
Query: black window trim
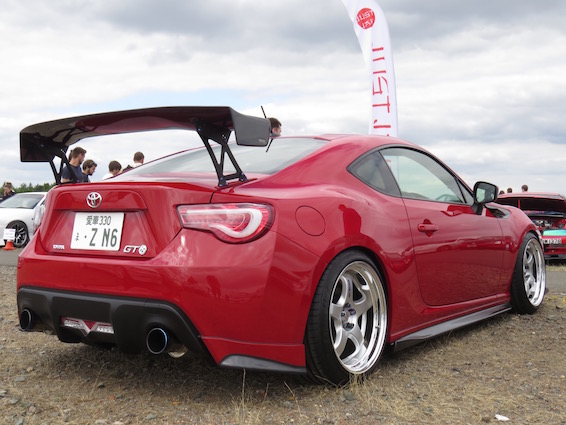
x=460 y=183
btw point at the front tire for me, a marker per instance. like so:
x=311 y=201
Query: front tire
x=529 y=277
x=347 y=325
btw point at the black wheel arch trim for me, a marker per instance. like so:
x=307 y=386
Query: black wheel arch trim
x=240 y=361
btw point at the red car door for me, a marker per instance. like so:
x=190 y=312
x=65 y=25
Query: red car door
x=458 y=253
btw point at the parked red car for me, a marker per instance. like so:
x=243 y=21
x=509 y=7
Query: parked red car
x=289 y=254
x=548 y=213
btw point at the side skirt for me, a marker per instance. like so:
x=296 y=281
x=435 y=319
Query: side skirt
x=261 y=365
x=442 y=328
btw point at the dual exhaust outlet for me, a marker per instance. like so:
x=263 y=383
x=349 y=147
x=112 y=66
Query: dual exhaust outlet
x=157 y=340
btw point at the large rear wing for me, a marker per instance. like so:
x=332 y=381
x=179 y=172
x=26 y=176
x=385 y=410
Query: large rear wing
x=46 y=141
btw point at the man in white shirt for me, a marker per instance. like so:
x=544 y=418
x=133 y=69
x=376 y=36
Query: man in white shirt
x=138 y=159
x=114 y=168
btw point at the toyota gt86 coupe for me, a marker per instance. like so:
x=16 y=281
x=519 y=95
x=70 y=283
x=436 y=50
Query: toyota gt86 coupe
x=307 y=255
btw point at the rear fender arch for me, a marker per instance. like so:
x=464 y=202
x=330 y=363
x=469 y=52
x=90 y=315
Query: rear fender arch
x=338 y=248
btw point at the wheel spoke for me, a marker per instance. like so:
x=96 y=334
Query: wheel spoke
x=529 y=258
x=340 y=341
x=530 y=292
x=365 y=304
x=347 y=288
x=335 y=310
x=356 y=337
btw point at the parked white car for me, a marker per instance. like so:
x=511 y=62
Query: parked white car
x=18 y=212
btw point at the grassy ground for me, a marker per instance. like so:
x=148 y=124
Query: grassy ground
x=556 y=265
x=513 y=366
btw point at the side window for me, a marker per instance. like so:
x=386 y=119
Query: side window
x=421 y=177
x=373 y=171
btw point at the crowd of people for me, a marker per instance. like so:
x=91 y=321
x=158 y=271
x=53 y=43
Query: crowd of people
x=524 y=188
x=79 y=170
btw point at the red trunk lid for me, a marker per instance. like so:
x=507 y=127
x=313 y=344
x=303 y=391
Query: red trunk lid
x=129 y=220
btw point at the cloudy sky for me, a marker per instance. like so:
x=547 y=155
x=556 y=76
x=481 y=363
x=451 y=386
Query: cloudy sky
x=480 y=84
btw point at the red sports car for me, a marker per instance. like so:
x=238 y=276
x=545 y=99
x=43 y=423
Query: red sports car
x=291 y=254
x=548 y=213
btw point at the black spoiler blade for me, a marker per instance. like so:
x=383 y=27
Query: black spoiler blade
x=44 y=141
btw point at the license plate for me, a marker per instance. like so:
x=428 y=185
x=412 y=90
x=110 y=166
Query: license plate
x=552 y=241
x=101 y=232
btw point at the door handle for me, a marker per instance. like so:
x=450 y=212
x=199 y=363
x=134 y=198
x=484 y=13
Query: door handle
x=427 y=227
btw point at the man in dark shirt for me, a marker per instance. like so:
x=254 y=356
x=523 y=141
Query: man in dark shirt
x=89 y=167
x=74 y=173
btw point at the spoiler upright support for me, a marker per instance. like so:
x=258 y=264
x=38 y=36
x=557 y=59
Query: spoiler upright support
x=219 y=135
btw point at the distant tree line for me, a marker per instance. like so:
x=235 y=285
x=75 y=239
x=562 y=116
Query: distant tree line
x=31 y=188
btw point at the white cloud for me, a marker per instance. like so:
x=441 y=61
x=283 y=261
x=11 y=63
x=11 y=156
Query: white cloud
x=478 y=83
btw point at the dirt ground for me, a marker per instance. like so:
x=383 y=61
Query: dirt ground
x=511 y=367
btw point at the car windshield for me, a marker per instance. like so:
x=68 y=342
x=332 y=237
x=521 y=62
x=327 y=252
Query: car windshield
x=251 y=159
x=22 y=200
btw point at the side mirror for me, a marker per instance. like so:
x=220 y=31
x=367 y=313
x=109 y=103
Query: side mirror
x=483 y=193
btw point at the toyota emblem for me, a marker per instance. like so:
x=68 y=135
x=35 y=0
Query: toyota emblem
x=94 y=199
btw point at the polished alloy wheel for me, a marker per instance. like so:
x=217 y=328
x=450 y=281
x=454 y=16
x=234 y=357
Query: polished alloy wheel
x=534 y=272
x=358 y=317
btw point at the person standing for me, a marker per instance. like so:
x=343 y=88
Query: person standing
x=7 y=192
x=524 y=188
x=73 y=173
x=275 y=126
x=114 y=168
x=89 y=167
x=138 y=159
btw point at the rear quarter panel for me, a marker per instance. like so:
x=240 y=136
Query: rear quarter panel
x=351 y=216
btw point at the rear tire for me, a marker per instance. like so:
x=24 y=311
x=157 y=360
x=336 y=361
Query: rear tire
x=347 y=324
x=22 y=236
x=529 y=277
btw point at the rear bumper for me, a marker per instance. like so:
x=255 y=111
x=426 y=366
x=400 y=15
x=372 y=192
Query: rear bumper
x=131 y=319
x=554 y=253
x=245 y=305
x=555 y=256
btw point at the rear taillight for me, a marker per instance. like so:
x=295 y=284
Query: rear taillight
x=233 y=223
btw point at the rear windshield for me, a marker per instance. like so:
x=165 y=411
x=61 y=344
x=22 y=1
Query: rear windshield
x=251 y=159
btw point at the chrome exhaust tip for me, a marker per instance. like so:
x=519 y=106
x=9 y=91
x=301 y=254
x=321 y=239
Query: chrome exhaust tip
x=157 y=341
x=26 y=320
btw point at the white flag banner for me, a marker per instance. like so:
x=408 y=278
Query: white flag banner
x=373 y=34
